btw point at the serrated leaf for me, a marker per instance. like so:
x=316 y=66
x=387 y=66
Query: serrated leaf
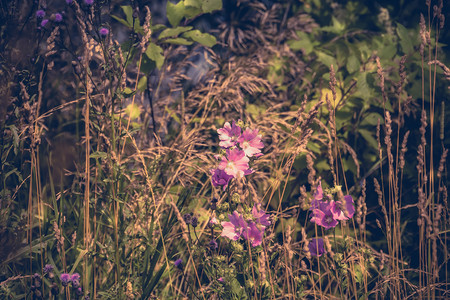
x=173 y=32
x=203 y=38
x=178 y=41
x=211 y=5
x=175 y=12
x=154 y=52
x=326 y=59
x=405 y=39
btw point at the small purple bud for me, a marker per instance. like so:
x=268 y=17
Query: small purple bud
x=47 y=268
x=58 y=17
x=187 y=218
x=65 y=279
x=179 y=264
x=104 y=31
x=79 y=291
x=69 y=1
x=44 y=22
x=213 y=245
x=75 y=283
x=89 y=2
x=40 y=14
x=194 y=222
x=75 y=276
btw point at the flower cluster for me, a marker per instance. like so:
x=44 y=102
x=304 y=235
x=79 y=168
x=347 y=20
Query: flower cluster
x=251 y=229
x=327 y=212
x=74 y=278
x=239 y=147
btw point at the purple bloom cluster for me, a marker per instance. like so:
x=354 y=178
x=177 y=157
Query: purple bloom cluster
x=239 y=147
x=252 y=229
x=316 y=247
x=328 y=213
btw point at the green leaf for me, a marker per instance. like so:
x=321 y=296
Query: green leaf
x=203 y=38
x=387 y=52
x=174 y=32
x=178 y=41
x=175 y=12
x=121 y=21
x=142 y=84
x=128 y=11
x=305 y=44
x=193 y=3
x=352 y=64
x=133 y=111
x=405 y=39
x=98 y=154
x=154 y=52
x=327 y=60
x=363 y=90
x=127 y=92
x=368 y=136
x=211 y=5
x=191 y=12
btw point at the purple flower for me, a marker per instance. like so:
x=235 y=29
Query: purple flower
x=58 y=17
x=250 y=142
x=220 y=177
x=213 y=245
x=343 y=211
x=318 y=196
x=229 y=135
x=235 y=227
x=104 y=31
x=316 y=247
x=235 y=163
x=179 y=264
x=323 y=215
x=40 y=14
x=47 y=268
x=253 y=234
x=65 y=279
x=69 y=1
x=220 y=279
x=79 y=291
x=260 y=216
x=75 y=276
x=44 y=22
x=89 y=2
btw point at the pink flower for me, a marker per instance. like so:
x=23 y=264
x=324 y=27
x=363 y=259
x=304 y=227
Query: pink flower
x=219 y=177
x=343 y=211
x=235 y=163
x=260 y=216
x=253 y=234
x=316 y=247
x=250 y=142
x=318 y=196
x=229 y=134
x=323 y=215
x=235 y=227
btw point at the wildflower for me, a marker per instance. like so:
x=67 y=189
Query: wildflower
x=260 y=216
x=65 y=279
x=250 y=142
x=316 y=247
x=179 y=264
x=318 y=196
x=89 y=2
x=213 y=221
x=40 y=14
x=187 y=218
x=69 y=1
x=220 y=279
x=343 y=211
x=75 y=276
x=323 y=215
x=213 y=245
x=79 y=291
x=58 y=17
x=104 y=31
x=235 y=163
x=229 y=135
x=220 y=177
x=253 y=234
x=47 y=269
x=235 y=227
x=44 y=22
x=194 y=221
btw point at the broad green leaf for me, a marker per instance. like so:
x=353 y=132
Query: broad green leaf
x=127 y=92
x=133 y=111
x=327 y=60
x=128 y=11
x=363 y=90
x=173 y=32
x=98 y=154
x=154 y=52
x=203 y=38
x=405 y=39
x=368 y=136
x=193 y=3
x=352 y=64
x=121 y=21
x=178 y=41
x=211 y=5
x=371 y=119
x=305 y=44
x=387 y=52
x=175 y=12
x=142 y=84
x=191 y=12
